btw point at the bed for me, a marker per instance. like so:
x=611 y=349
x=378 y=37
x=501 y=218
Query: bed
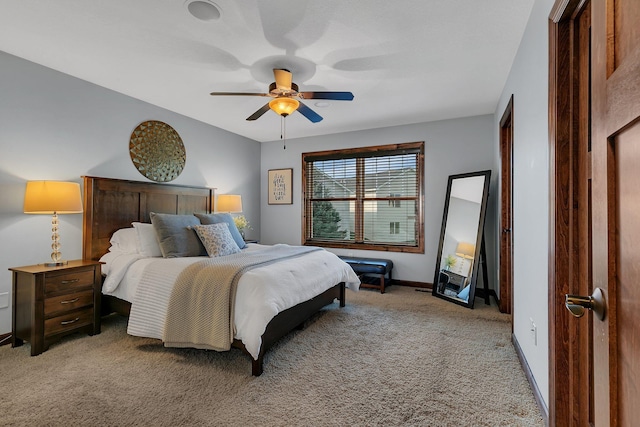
x=113 y=204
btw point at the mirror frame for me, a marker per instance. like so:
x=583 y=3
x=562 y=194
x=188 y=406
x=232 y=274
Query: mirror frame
x=479 y=238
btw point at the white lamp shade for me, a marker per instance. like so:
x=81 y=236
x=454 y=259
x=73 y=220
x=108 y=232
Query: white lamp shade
x=47 y=197
x=231 y=203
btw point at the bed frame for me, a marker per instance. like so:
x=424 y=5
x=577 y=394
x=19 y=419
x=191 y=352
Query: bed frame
x=111 y=204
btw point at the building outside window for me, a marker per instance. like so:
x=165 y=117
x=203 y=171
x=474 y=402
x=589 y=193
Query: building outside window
x=394 y=202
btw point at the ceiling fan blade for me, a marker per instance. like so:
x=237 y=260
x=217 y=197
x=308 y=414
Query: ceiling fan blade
x=337 y=96
x=283 y=79
x=238 y=94
x=259 y=113
x=309 y=113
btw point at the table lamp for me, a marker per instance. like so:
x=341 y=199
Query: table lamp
x=53 y=198
x=231 y=203
x=468 y=251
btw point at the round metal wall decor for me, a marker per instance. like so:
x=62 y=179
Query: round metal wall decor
x=157 y=151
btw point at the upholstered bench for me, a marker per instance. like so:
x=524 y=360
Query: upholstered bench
x=371 y=266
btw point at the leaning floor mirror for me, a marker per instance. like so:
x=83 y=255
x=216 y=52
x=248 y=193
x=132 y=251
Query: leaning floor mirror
x=461 y=237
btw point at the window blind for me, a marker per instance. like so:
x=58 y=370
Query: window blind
x=352 y=196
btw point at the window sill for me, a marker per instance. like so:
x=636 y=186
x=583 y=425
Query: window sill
x=365 y=246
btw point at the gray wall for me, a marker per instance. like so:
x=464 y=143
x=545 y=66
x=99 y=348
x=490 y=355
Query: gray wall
x=56 y=127
x=528 y=82
x=451 y=147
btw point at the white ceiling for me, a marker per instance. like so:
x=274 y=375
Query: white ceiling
x=406 y=61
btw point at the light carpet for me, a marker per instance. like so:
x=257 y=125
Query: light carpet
x=403 y=358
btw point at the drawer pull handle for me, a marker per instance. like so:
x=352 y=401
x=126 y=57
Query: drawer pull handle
x=66 y=282
x=71 y=301
x=68 y=322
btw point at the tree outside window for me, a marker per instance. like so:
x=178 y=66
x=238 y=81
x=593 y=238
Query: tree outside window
x=326 y=219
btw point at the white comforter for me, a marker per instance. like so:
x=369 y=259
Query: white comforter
x=262 y=292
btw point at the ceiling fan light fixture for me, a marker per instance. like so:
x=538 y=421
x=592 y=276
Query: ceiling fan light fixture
x=284 y=106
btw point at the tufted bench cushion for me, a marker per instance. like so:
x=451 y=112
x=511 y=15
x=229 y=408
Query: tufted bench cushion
x=371 y=266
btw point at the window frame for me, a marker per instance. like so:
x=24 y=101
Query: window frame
x=366 y=152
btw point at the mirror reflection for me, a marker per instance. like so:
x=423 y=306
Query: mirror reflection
x=461 y=237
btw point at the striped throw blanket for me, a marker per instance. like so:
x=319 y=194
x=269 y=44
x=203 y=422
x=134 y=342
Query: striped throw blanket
x=201 y=307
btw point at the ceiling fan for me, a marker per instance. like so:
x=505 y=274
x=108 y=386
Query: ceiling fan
x=284 y=93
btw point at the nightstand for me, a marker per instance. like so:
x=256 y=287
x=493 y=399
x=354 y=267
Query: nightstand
x=51 y=302
x=251 y=241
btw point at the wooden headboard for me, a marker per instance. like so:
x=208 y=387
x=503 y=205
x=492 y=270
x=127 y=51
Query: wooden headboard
x=111 y=204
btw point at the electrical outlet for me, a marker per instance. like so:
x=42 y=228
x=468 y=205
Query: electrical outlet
x=4 y=299
x=533 y=329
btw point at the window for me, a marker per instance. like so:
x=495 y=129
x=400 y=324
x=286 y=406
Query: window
x=394 y=228
x=365 y=198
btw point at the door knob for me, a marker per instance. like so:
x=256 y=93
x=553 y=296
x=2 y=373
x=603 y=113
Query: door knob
x=577 y=304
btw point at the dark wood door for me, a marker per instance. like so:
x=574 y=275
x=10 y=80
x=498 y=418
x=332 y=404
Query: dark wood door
x=506 y=208
x=615 y=70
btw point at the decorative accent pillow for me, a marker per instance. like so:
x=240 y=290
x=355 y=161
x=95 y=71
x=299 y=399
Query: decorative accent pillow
x=217 y=239
x=148 y=245
x=124 y=240
x=175 y=236
x=219 y=218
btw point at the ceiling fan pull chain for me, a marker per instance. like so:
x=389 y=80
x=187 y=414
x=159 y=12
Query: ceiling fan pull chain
x=283 y=134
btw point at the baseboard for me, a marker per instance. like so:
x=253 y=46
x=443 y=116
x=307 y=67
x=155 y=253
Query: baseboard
x=544 y=410
x=422 y=285
x=5 y=339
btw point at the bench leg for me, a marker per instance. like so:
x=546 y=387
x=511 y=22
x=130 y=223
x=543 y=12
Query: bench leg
x=380 y=286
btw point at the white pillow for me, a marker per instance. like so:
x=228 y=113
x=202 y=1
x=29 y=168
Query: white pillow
x=217 y=239
x=124 y=240
x=147 y=242
x=107 y=259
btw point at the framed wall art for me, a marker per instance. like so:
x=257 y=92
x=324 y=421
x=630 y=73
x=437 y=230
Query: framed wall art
x=280 y=184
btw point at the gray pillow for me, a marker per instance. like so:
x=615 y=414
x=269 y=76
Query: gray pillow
x=218 y=218
x=175 y=236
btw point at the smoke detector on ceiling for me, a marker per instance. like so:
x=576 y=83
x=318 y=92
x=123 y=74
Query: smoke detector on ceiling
x=203 y=10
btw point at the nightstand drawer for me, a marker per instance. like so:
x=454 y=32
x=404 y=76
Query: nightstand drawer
x=68 y=302
x=68 y=281
x=68 y=321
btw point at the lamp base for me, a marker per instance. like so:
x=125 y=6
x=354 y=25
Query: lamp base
x=55 y=263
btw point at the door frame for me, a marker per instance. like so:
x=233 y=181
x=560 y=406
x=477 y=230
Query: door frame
x=506 y=210
x=567 y=392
